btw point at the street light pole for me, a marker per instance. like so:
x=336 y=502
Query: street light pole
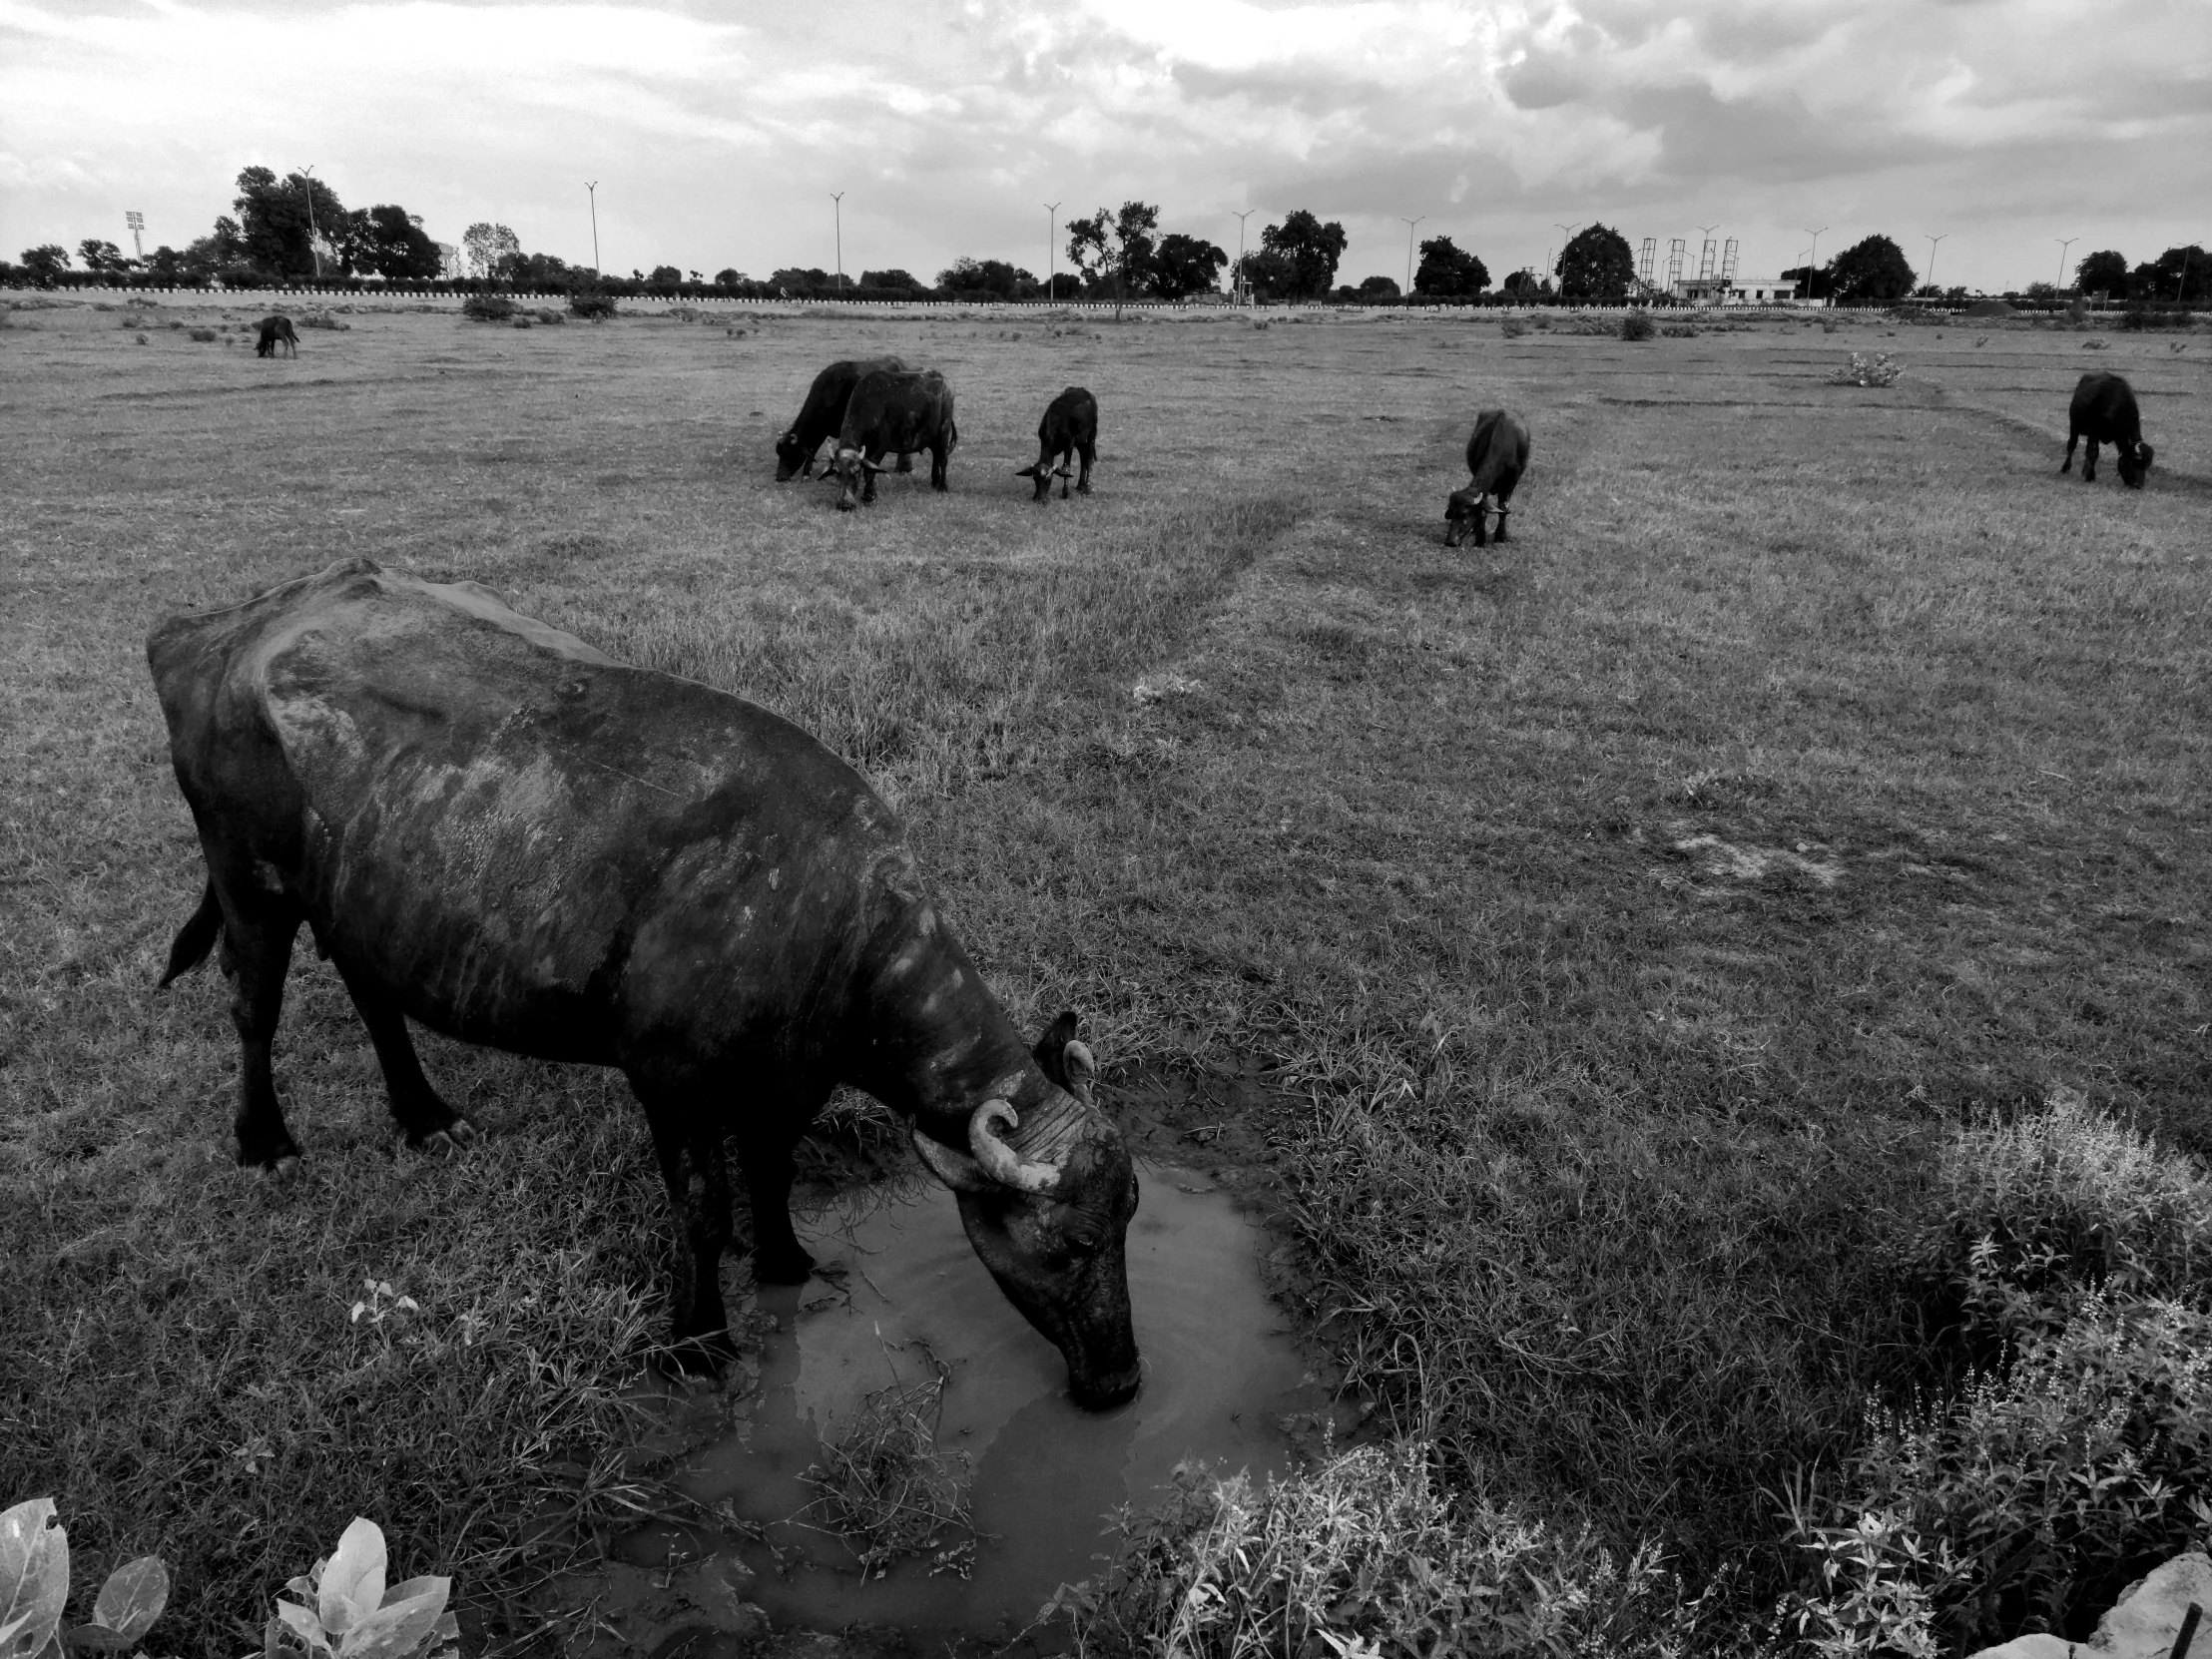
x=314 y=252
x=1566 y=234
x=1931 y=248
x=1242 y=280
x=1410 y=223
x=1051 y=255
x=836 y=199
x=591 y=189
x=2064 y=243
x=1812 y=260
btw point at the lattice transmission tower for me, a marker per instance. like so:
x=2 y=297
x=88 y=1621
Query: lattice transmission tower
x=1677 y=250
x=1644 y=258
x=1728 y=262
x=1704 y=259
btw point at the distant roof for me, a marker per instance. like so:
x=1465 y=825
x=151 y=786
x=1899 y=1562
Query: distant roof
x=1990 y=308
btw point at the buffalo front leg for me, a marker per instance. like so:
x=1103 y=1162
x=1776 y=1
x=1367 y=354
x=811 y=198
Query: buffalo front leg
x=2073 y=437
x=940 y=453
x=1501 y=516
x=1087 y=454
x=778 y=1257
x=256 y=954
x=697 y=1175
x=2089 y=462
x=419 y=1109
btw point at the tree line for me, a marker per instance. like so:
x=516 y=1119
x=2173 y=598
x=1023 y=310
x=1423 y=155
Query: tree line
x=288 y=230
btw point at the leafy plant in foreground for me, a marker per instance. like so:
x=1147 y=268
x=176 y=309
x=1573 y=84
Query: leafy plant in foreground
x=1879 y=369
x=34 y=1591
x=345 y=1611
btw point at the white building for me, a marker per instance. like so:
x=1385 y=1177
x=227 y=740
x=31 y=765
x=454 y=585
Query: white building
x=1734 y=291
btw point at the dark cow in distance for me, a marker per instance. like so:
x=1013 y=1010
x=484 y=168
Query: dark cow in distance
x=1069 y=429
x=273 y=331
x=902 y=409
x=2103 y=411
x=492 y=828
x=823 y=414
x=1497 y=454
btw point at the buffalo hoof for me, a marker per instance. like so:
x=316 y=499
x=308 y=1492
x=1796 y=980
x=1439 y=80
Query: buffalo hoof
x=284 y=1170
x=456 y=1135
x=1082 y=489
x=777 y=1267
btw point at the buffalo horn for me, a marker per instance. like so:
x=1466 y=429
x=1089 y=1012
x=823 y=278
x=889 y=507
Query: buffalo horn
x=1003 y=1164
x=1082 y=1067
x=872 y=466
x=1025 y=473
x=951 y=1166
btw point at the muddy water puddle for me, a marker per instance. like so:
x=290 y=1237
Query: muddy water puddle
x=901 y=1301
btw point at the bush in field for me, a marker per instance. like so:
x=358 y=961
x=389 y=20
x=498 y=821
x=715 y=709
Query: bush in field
x=203 y=335
x=2033 y=1217
x=1362 y=1556
x=488 y=308
x=1680 y=331
x=34 y=1591
x=1879 y=369
x=1512 y=327
x=594 y=303
x=1638 y=326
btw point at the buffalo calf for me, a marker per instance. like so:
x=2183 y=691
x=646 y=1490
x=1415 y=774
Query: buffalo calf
x=1496 y=455
x=275 y=330
x=2103 y=411
x=1069 y=429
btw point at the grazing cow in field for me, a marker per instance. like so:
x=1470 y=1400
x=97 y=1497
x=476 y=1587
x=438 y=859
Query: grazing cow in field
x=1069 y=429
x=1497 y=454
x=823 y=414
x=2103 y=411
x=273 y=331
x=492 y=828
x=902 y=409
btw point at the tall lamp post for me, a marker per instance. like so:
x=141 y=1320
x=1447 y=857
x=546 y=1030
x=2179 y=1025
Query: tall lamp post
x=836 y=206
x=591 y=191
x=2064 y=243
x=1812 y=259
x=1243 y=281
x=1566 y=234
x=1051 y=255
x=314 y=236
x=1932 y=242
x=1410 y=223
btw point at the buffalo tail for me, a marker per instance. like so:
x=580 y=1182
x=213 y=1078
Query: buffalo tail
x=196 y=939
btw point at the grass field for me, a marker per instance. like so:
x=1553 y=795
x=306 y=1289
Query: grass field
x=1611 y=920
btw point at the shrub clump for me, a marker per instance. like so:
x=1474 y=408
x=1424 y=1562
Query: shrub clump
x=1358 y=1556
x=1680 y=331
x=1512 y=327
x=203 y=335
x=488 y=308
x=323 y=320
x=1877 y=369
x=1638 y=326
x=594 y=303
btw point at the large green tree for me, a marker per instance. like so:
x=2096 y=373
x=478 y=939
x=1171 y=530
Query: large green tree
x=1268 y=276
x=1596 y=267
x=45 y=263
x=1449 y=271
x=1312 y=250
x=2104 y=271
x=1874 y=268
x=1114 y=251
x=103 y=256
x=387 y=240
x=485 y=244
x=283 y=224
x=1186 y=264
x=992 y=276
x=2177 y=274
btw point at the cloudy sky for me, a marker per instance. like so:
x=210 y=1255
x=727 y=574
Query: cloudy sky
x=717 y=131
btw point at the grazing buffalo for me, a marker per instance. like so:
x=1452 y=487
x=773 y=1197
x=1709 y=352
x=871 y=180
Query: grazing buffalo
x=821 y=416
x=2103 y=411
x=273 y=331
x=1496 y=455
x=1069 y=428
x=902 y=409
x=492 y=828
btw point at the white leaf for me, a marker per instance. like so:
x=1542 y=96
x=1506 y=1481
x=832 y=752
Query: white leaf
x=34 y=1577
x=133 y=1597
x=303 y=1624
x=354 y=1583
x=397 y=1628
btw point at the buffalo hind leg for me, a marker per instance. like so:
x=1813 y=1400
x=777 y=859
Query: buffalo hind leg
x=419 y=1109
x=1501 y=516
x=1087 y=453
x=2089 y=462
x=697 y=1174
x=2073 y=437
x=940 y=453
x=256 y=954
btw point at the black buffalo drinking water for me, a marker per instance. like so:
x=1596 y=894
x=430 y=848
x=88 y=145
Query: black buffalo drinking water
x=493 y=829
x=2103 y=411
x=1497 y=454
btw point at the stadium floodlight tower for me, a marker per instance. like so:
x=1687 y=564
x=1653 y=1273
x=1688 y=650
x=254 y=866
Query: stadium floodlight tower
x=1410 y=223
x=136 y=222
x=1645 y=256
x=1705 y=253
x=1678 y=249
x=1932 y=242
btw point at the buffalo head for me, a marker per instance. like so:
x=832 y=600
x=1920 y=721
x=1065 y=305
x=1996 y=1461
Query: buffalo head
x=792 y=459
x=856 y=476
x=1050 y=1216
x=2134 y=464
x=1468 y=510
x=1045 y=473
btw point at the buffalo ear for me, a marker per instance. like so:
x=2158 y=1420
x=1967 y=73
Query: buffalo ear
x=2142 y=456
x=1025 y=473
x=1051 y=1050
